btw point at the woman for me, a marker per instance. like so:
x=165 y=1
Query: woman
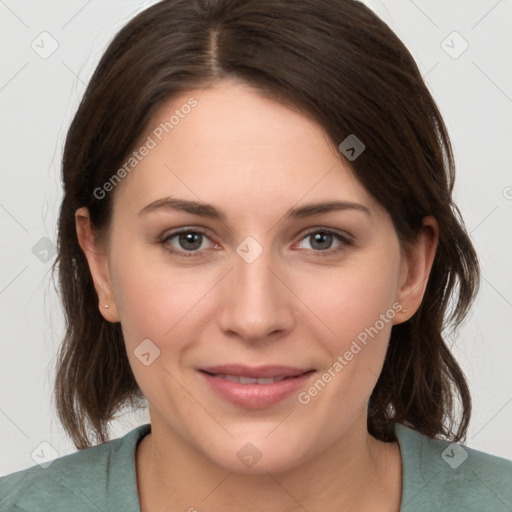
x=257 y=237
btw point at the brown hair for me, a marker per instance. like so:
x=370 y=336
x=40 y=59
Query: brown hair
x=339 y=64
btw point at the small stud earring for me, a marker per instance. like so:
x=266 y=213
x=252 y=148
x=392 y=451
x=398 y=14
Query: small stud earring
x=106 y=306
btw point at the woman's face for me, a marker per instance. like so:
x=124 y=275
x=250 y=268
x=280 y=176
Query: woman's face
x=264 y=279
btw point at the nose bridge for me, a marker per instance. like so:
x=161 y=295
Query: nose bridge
x=255 y=303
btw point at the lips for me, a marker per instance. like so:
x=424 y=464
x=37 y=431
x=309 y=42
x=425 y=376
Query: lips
x=250 y=380
x=256 y=372
x=255 y=387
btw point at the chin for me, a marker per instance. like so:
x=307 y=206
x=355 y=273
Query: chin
x=253 y=457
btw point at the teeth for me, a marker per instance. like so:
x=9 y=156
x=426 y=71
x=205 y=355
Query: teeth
x=250 y=380
x=267 y=381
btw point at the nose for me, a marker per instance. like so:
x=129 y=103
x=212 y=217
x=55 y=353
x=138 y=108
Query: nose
x=256 y=302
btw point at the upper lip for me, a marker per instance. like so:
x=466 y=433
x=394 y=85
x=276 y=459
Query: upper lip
x=256 y=372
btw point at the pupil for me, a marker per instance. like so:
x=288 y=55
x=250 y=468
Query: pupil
x=190 y=238
x=323 y=240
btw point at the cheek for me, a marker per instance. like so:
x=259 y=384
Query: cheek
x=160 y=305
x=358 y=305
x=150 y=302
x=362 y=327
x=355 y=299
x=158 y=302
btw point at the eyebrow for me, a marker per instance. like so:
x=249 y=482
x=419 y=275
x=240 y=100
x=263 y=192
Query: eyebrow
x=210 y=211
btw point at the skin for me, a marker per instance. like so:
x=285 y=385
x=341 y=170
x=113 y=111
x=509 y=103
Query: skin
x=297 y=305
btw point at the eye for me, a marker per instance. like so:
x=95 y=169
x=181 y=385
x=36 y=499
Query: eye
x=186 y=242
x=321 y=240
x=189 y=242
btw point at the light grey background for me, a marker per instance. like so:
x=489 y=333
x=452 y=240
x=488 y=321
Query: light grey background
x=38 y=97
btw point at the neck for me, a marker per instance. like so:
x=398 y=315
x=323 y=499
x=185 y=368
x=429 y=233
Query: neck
x=357 y=472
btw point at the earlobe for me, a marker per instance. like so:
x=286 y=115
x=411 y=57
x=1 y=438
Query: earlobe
x=417 y=264
x=98 y=264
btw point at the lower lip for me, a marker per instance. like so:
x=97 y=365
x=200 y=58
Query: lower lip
x=256 y=396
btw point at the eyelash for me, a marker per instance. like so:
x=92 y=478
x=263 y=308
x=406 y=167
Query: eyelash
x=345 y=241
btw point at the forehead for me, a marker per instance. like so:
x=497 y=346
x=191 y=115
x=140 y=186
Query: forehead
x=231 y=146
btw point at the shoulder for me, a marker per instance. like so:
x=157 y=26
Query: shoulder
x=90 y=479
x=439 y=475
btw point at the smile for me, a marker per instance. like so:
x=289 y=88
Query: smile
x=250 y=380
x=254 y=388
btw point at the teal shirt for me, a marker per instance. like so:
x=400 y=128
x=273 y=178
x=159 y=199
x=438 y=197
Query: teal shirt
x=437 y=477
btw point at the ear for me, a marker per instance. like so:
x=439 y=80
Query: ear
x=415 y=270
x=98 y=264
